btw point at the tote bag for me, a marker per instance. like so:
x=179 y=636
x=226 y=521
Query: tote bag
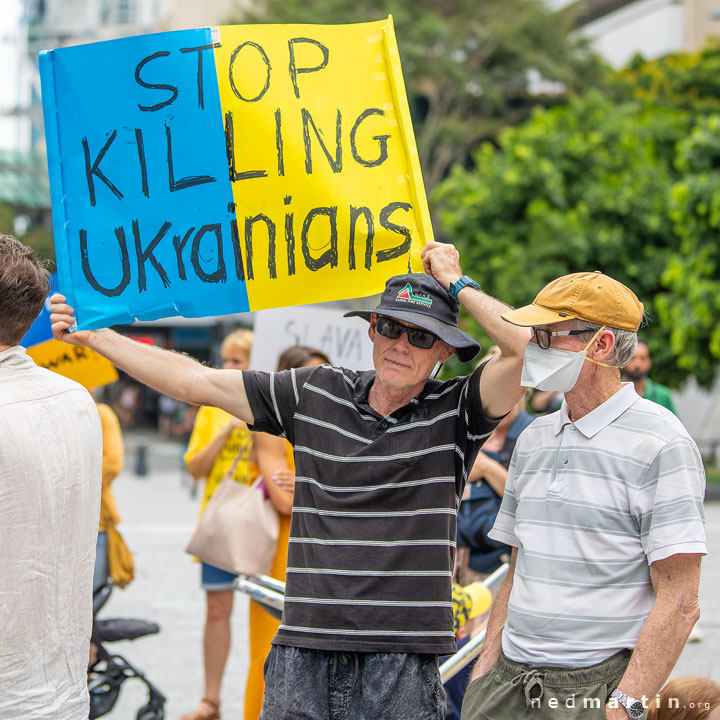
x=238 y=532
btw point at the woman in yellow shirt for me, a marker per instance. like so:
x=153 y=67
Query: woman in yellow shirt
x=274 y=456
x=216 y=441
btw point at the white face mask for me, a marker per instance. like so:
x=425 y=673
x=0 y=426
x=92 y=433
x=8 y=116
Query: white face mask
x=552 y=369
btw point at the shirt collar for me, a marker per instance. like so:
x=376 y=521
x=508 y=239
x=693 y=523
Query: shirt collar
x=599 y=418
x=13 y=357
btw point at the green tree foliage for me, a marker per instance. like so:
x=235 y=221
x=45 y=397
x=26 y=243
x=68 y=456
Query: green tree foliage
x=691 y=308
x=630 y=188
x=38 y=238
x=465 y=62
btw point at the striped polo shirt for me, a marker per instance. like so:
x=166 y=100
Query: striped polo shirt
x=372 y=536
x=590 y=506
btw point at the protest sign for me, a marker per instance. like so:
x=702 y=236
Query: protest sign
x=81 y=364
x=344 y=340
x=219 y=170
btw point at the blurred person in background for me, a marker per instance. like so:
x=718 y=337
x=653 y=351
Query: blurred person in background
x=479 y=555
x=50 y=469
x=687 y=698
x=637 y=371
x=112 y=465
x=216 y=440
x=276 y=462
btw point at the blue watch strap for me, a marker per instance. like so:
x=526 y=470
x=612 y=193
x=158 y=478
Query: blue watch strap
x=456 y=287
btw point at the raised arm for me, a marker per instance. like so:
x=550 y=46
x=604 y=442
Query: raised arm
x=168 y=372
x=500 y=381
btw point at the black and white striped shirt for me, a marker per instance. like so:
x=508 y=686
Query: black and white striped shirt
x=372 y=537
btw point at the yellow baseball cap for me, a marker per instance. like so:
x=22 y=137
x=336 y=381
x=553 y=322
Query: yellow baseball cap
x=589 y=296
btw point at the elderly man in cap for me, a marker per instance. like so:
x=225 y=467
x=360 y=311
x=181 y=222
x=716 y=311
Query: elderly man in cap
x=381 y=460
x=603 y=508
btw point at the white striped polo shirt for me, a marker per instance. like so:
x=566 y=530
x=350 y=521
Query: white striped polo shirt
x=590 y=506
x=372 y=535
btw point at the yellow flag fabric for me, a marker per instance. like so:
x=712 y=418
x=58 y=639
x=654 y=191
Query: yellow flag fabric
x=81 y=364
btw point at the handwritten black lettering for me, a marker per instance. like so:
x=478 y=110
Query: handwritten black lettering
x=152 y=86
x=179 y=244
x=295 y=70
x=147 y=254
x=279 y=143
x=94 y=169
x=185 y=182
x=263 y=57
x=124 y=261
x=199 y=51
x=219 y=275
x=143 y=164
x=355 y=214
x=235 y=236
x=249 y=222
x=230 y=149
x=330 y=256
x=385 y=213
x=381 y=139
x=336 y=163
x=290 y=237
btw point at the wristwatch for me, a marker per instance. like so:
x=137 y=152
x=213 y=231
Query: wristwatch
x=634 y=707
x=456 y=287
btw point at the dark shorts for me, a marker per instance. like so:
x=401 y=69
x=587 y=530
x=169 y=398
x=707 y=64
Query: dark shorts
x=511 y=690
x=305 y=684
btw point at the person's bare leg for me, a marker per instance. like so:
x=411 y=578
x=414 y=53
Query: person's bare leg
x=216 y=647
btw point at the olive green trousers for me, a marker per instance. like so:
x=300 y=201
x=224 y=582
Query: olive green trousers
x=513 y=691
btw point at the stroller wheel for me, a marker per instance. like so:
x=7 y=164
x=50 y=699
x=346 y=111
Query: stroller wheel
x=148 y=712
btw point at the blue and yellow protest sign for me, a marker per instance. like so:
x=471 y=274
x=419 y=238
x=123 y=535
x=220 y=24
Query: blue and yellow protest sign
x=218 y=170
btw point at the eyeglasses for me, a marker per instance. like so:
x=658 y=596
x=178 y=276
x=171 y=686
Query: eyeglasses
x=543 y=336
x=419 y=338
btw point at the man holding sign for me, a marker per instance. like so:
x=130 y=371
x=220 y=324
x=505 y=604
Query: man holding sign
x=382 y=458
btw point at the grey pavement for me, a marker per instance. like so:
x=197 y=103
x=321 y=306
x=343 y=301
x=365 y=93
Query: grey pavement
x=159 y=517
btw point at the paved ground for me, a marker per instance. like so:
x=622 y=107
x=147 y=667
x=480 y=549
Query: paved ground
x=158 y=519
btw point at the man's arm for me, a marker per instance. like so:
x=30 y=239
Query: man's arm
x=676 y=580
x=167 y=372
x=500 y=381
x=493 y=637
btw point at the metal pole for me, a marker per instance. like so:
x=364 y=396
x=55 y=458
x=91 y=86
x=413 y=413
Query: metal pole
x=270 y=599
x=269 y=593
x=468 y=652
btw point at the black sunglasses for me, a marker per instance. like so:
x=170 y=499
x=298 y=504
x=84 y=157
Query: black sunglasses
x=543 y=336
x=419 y=338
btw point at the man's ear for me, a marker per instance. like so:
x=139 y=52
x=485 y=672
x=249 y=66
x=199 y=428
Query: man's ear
x=447 y=353
x=604 y=345
x=372 y=329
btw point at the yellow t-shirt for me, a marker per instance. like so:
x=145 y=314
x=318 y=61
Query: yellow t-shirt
x=208 y=423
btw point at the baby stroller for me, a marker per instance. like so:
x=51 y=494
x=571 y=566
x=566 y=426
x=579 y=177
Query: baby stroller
x=109 y=672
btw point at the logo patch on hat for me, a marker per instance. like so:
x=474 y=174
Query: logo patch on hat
x=407 y=295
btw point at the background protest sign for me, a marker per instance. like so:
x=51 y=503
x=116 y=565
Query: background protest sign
x=81 y=364
x=344 y=340
x=219 y=170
